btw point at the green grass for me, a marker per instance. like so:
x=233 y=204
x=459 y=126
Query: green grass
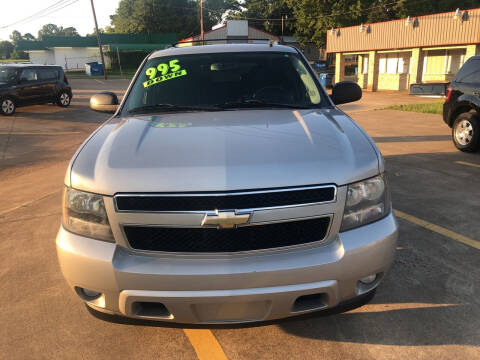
x=13 y=60
x=434 y=107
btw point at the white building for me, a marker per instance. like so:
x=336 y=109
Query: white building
x=233 y=31
x=73 y=52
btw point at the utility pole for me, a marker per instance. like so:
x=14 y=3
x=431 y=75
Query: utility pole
x=282 y=28
x=99 y=41
x=283 y=17
x=201 y=21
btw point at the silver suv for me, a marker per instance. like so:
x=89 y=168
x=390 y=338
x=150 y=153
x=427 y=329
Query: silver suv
x=227 y=187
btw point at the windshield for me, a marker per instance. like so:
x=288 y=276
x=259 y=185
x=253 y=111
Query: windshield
x=8 y=74
x=224 y=80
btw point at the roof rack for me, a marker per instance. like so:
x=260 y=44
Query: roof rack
x=270 y=42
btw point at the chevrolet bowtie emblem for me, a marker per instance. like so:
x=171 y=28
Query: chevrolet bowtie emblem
x=226 y=219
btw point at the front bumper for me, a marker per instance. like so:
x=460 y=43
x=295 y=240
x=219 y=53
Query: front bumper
x=239 y=288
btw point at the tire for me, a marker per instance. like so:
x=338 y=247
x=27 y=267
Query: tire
x=466 y=132
x=64 y=98
x=7 y=106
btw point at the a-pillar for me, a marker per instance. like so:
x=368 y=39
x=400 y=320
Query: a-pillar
x=339 y=67
x=372 y=71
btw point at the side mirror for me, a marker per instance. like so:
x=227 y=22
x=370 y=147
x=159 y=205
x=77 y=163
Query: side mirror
x=104 y=102
x=345 y=92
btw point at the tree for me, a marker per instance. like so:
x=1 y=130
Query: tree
x=6 y=48
x=155 y=16
x=216 y=10
x=54 y=30
x=69 y=31
x=315 y=17
x=16 y=36
x=167 y=16
x=257 y=10
x=48 y=29
x=28 y=37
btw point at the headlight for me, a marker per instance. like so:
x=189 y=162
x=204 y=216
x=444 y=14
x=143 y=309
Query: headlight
x=84 y=214
x=367 y=201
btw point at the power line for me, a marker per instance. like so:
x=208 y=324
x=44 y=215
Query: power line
x=59 y=5
x=33 y=15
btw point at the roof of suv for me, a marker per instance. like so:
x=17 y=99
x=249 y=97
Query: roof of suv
x=222 y=48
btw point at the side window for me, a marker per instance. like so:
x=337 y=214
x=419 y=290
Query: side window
x=47 y=74
x=29 y=75
x=470 y=72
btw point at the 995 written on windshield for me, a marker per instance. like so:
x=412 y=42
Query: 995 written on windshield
x=165 y=72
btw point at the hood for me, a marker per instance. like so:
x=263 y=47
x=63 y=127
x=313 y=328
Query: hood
x=226 y=150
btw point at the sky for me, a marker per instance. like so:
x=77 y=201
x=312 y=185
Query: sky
x=78 y=15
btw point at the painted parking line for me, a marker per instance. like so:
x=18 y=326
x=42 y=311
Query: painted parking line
x=467 y=163
x=28 y=203
x=205 y=344
x=438 y=229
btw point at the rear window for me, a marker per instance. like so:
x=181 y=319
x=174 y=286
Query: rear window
x=470 y=72
x=47 y=74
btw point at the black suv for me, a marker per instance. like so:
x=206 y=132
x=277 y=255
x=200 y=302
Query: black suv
x=23 y=84
x=461 y=110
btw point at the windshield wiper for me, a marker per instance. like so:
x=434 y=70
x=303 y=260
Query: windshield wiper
x=172 y=107
x=258 y=103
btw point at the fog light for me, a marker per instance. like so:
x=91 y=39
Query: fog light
x=91 y=293
x=369 y=279
x=87 y=294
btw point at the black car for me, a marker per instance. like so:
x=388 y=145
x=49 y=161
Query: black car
x=461 y=110
x=26 y=84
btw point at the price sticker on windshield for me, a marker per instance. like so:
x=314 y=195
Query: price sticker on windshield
x=163 y=72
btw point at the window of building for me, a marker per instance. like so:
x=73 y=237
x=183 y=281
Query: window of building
x=455 y=60
x=365 y=64
x=394 y=63
x=443 y=61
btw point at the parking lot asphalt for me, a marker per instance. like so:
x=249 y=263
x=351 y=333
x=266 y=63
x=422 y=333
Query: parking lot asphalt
x=427 y=307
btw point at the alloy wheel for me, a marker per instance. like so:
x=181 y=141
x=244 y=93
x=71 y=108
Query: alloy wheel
x=464 y=132
x=64 y=99
x=8 y=107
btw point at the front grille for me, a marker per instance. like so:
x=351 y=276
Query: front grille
x=231 y=200
x=212 y=240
